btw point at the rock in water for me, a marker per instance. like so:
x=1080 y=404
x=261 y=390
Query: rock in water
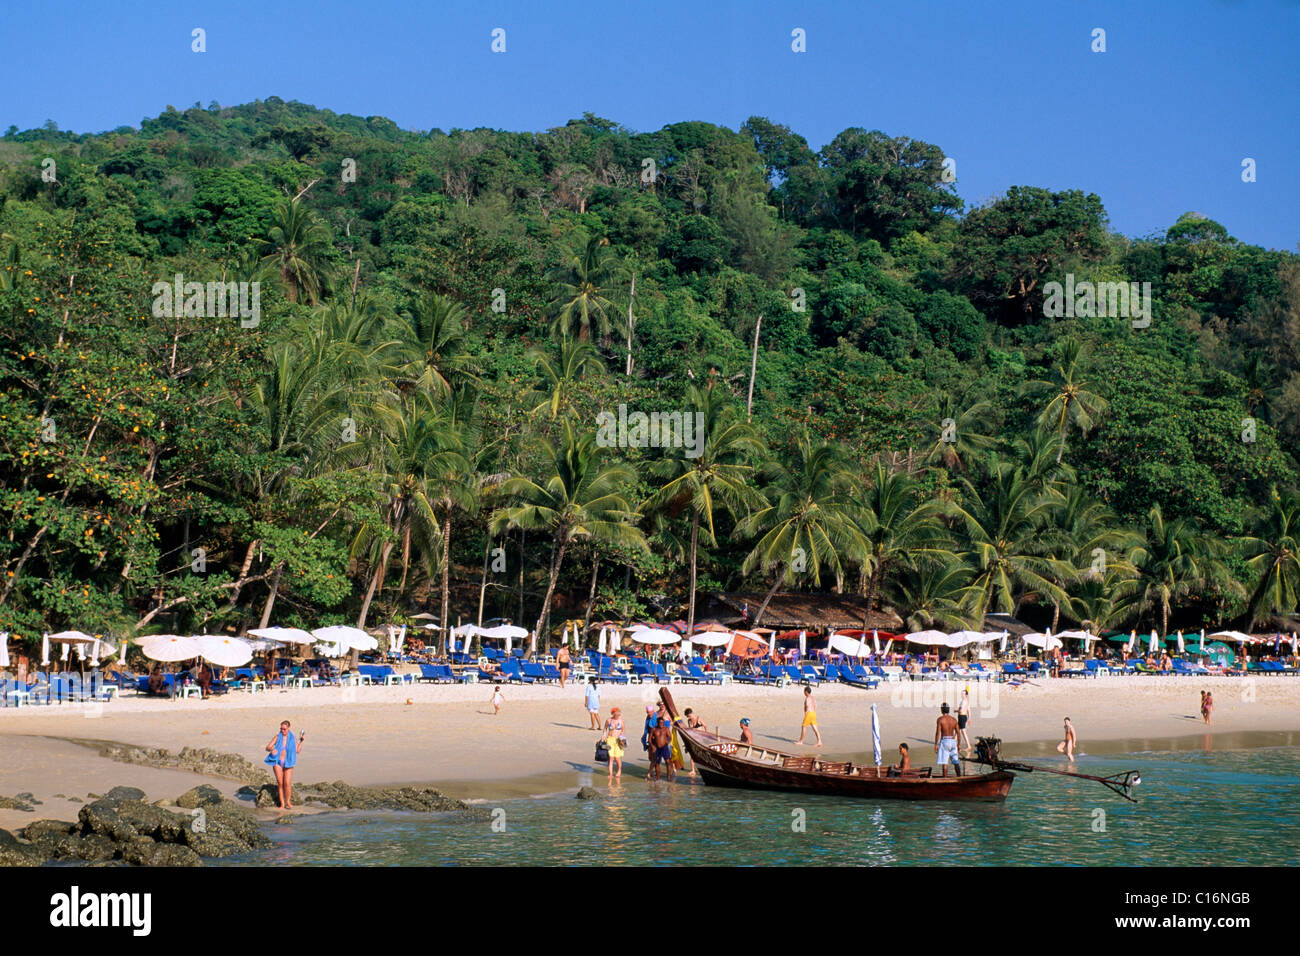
x=587 y=793
x=147 y=853
x=16 y=803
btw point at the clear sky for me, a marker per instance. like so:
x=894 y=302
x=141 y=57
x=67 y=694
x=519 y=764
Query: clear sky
x=1157 y=125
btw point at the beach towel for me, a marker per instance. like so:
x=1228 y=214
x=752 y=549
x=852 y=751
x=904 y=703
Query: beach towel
x=284 y=755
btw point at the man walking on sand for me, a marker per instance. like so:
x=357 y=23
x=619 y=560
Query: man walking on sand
x=563 y=662
x=1067 y=745
x=809 y=716
x=945 y=740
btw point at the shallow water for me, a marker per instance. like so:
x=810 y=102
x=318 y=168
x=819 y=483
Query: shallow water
x=1221 y=808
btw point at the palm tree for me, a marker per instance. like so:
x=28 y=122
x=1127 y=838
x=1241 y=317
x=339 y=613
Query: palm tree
x=897 y=527
x=956 y=434
x=808 y=520
x=1101 y=602
x=582 y=304
x=1175 y=560
x=562 y=373
x=299 y=249
x=715 y=481
x=432 y=337
x=1009 y=541
x=1273 y=554
x=578 y=500
x=932 y=595
x=1096 y=544
x=1038 y=454
x=1071 y=400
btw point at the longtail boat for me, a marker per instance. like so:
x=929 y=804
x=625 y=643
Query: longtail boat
x=726 y=762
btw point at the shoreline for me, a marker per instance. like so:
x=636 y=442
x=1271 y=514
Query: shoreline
x=448 y=738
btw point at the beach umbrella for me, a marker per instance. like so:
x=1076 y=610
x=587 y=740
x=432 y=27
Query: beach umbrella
x=687 y=648
x=927 y=638
x=259 y=644
x=170 y=648
x=655 y=635
x=875 y=640
x=507 y=631
x=711 y=638
x=1002 y=645
x=532 y=642
x=601 y=646
x=962 y=638
x=45 y=651
x=771 y=644
x=284 y=635
x=803 y=643
x=4 y=648
x=508 y=640
x=747 y=644
x=224 y=651
x=1295 y=644
x=875 y=734
x=347 y=638
x=1181 y=648
x=848 y=645
x=1047 y=641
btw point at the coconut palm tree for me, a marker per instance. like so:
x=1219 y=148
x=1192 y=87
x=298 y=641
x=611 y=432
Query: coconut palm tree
x=578 y=499
x=808 y=519
x=1273 y=554
x=300 y=248
x=432 y=346
x=956 y=435
x=1174 y=560
x=1071 y=400
x=1096 y=545
x=932 y=595
x=898 y=528
x=563 y=373
x=1010 y=542
x=582 y=304
x=715 y=481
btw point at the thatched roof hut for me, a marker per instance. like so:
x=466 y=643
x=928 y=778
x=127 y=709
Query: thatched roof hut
x=1005 y=622
x=808 y=612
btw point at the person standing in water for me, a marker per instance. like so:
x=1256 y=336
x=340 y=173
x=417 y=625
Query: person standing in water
x=963 y=718
x=282 y=754
x=1067 y=745
x=615 y=741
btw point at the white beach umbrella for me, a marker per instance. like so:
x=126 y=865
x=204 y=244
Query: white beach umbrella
x=347 y=638
x=711 y=638
x=875 y=734
x=508 y=641
x=962 y=638
x=1154 y=640
x=1236 y=636
x=1132 y=641
x=771 y=643
x=224 y=651
x=4 y=648
x=875 y=639
x=170 y=648
x=803 y=643
x=284 y=635
x=600 y=644
x=1046 y=641
x=1181 y=648
x=507 y=631
x=259 y=644
x=928 y=638
x=45 y=650
x=532 y=642
x=654 y=635
x=1002 y=645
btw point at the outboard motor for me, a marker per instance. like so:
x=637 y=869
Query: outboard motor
x=987 y=750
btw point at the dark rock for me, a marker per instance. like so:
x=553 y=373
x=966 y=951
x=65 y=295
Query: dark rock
x=148 y=853
x=76 y=800
x=35 y=831
x=13 y=853
x=154 y=822
x=244 y=825
x=211 y=763
x=92 y=848
x=124 y=793
x=16 y=803
x=102 y=817
x=340 y=795
x=285 y=820
x=587 y=793
x=267 y=797
x=30 y=798
x=201 y=796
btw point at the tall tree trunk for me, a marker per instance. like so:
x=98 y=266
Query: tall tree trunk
x=556 y=561
x=767 y=600
x=270 y=598
x=695 y=535
x=753 y=369
x=446 y=584
x=873 y=585
x=1056 y=615
x=630 y=324
x=523 y=535
x=376 y=581
x=591 y=595
x=482 y=588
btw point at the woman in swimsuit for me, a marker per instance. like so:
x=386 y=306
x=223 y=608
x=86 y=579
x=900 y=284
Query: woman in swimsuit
x=282 y=754
x=615 y=740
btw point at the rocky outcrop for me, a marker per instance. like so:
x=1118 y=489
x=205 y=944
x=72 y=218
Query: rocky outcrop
x=339 y=795
x=587 y=793
x=200 y=760
x=21 y=801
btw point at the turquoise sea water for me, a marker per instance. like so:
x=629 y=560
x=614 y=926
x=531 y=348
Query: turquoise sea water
x=1225 y=808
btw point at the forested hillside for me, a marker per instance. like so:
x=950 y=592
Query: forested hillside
x=402 y=414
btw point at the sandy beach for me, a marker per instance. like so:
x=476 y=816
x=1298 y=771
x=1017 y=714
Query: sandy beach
x=447 y=736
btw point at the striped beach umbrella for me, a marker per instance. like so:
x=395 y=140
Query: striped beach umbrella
x=875 y=734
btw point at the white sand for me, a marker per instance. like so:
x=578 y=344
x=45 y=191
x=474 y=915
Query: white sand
x=448 y=734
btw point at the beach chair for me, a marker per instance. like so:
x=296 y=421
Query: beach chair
x=859 y=676
x=1141 y=667
x=1013 y=670
x=513 y=672
x=832 y=673
x=434 y=674
x=805 y=673
x=1077 y=670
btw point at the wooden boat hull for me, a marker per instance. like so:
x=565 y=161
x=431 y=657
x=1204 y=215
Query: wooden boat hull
x=724 y=762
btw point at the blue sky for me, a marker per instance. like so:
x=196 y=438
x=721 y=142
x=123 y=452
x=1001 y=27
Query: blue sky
x=1157 y=125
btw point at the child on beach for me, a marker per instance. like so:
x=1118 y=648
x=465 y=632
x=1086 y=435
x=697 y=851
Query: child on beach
x=497 y=699
x=593 y=704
